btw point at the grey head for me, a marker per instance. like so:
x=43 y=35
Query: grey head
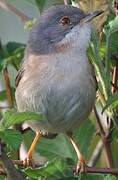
x=54 y=25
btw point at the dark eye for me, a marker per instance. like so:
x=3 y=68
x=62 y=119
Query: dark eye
x=64 y=20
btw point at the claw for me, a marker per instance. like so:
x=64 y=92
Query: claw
x=81 y=164
x=28 y=162
x=80 y=167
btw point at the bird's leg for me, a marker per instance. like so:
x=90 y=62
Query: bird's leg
x=81 y=164
x=28 y=160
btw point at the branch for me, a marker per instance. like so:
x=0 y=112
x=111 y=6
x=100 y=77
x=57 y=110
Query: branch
x=11 y=172
x=10 y=8
x=114 y=87
x=8 y=88
x=96 y=154
x=20 y=163
x=116 y=7
x=115 y=69
x=105 y=141
x=115 y=75
x=102 y=170
x=4 y=107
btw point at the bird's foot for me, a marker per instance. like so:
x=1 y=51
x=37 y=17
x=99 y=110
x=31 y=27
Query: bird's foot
x=28 y=161
x=80 y=167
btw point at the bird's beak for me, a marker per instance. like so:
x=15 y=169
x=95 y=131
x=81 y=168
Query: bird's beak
x=90 y=16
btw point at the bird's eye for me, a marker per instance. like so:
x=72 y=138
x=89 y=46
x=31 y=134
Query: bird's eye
x=64 y=20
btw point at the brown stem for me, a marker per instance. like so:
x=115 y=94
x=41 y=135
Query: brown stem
x=21 y=163
x=8 y=88
x=8 y=7
x=105 y=141
x=114 y=88
x=116 y=7
x=1 y=107
x=115 y=69
x=96 y=154
x=115 y=79
x=102 y=170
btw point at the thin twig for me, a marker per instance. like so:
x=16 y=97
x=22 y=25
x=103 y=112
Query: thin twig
x=105 y=141
x=102 y=170
x=115 y=76
x=115 y=69
x=1 y=107
x=8 y=88
x=116 y=7
x=114 y=87
x=10 y=8
x=96 y=154
x=20 y=163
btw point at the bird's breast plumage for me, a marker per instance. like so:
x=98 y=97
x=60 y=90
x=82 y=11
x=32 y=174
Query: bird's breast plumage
x=63 y=89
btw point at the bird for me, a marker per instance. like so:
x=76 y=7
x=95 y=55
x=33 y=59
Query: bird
x=56 y=78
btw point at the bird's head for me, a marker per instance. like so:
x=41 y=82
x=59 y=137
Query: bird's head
x=62 y=27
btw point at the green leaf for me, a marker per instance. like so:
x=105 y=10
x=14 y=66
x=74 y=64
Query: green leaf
x=94 y=56
x=14 y=58
x=54 y=169
x=12 y=53
x=40 y=4
x=60 y=169
x=84 y=139
x=11 y=117
x=112 y=101
x=12 y=138
x=3 y=95
x=110 y=177
x=61 y=146
x=95 y=176
x=2 y=177
x=114 y=135
x=30 y=24
x=113 y=25
x=53 y=148
x=13 y=46
x=111 y=33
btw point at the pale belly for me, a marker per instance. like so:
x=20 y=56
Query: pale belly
x=65 y=102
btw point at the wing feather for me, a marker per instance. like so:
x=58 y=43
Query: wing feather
x=19 y=76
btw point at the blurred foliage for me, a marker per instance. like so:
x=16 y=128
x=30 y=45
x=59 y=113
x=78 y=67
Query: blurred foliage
x=11 y=117
x=9 y=136
x=58 y=152
x=59 y=169
x=11 y=53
